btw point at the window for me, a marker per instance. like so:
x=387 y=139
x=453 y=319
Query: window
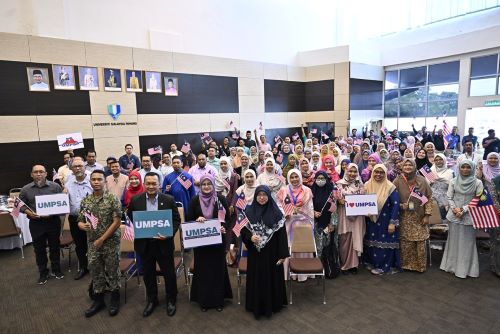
x=421 y=96
x=484 y=74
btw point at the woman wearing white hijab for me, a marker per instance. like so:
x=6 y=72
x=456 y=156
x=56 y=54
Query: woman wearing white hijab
x=460 y=254
x=248 y=188
x=270 y=178
x=267 y=155
x=440 y=185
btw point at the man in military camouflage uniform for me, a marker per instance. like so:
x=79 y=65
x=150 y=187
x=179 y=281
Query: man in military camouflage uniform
x=100 y=216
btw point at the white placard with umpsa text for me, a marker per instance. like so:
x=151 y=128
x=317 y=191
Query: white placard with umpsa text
x=196 y=234
x=70 y=141
x=361 y=205
x=56 y=204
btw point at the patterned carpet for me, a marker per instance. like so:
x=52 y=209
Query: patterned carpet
x=433 y=302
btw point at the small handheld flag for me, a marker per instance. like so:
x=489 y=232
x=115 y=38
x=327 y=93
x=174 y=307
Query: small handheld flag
x=427 y=173
x=155 y=150
x=295 y=136
x=446 y=133
x=91 y=219
x=240 y=223
x=186 y=147
x=241 y=203
x=18 y=204
x=483 y=212
x=221 y=212
x=55 y=175
x=226 y=184
x=128 y=233
x=184 y=181
x=261 y=127
x=287 y=206
x=314 y=131
x=418 y=195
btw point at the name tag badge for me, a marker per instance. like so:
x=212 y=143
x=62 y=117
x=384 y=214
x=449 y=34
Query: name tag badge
x=411 y=206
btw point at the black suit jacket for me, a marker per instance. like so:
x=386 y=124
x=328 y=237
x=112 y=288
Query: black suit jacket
x=165 y=202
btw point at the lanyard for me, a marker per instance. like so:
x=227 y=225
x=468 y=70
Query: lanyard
x=294 y=198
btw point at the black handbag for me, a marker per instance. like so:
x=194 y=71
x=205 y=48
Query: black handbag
x=330 y=258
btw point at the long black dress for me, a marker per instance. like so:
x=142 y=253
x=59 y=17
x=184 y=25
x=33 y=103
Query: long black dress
x=265 y=281
x=210 y=280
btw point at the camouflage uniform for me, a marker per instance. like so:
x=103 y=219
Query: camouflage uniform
x=103 y=262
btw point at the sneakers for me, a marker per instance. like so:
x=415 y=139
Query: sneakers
x=377 y=271
x=57 y=274
x=43 y=279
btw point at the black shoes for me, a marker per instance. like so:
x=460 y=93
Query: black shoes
x=57 y=274
x=114 y=305
x=96 y=306
x=80 y=274
x=171 y=308
x=150 y=307
x=44 y=277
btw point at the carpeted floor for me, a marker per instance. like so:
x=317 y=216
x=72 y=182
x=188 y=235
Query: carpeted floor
x=433 y=302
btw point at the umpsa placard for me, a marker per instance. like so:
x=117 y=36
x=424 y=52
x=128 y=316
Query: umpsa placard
x=150 y=224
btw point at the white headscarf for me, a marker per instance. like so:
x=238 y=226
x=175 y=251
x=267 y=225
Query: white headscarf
x=219 y=185
x=443 y=173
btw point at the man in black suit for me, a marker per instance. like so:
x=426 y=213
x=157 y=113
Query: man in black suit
x=159 y=249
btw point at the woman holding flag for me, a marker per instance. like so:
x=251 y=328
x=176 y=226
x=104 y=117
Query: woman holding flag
x=442 y=177
x=460 y=254
x=226 y=183
x=325 y=218
x=210 y=280
x=271 y=178
x=381 y=242
x=415 y=209
x=266 y=241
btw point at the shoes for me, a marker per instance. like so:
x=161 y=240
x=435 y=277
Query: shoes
x=150 y=307
x=80 y=274
x=377 y=271
x=96 y=306
x=368 y=266
x=171 y=309
x=44 y=277
x=57 y=274
x=353 y=271
x=114 y=305
x=219 y=309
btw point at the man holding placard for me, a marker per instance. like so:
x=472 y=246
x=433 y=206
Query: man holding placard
x=156 y=220
x=100 y=216
x=43 y=228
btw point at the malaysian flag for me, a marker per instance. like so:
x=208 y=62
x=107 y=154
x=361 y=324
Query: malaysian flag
x=155 y=150
x=281 y=178
x=384 y=131
x=184 y=181
x=235 y=135
x=91 y=219
x=418 y=195
x=482 y=212
x=241 y=203
x=279 y=158
x=240 y=223
x=446 y=133
x=221 y=212
x=18 y=204
x=186 y=147
x=331 y=200
x=314 y=131
x=295 y=136
x=324 y=136
x=427 y=173
x=261 y=127
x=205 y=137
x=55 y=175
x=287 y=206
x=128 y=234
x=226 y=184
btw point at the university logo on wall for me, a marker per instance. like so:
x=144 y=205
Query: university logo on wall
x=114 y=110
x=112 y=80
x=38 y=79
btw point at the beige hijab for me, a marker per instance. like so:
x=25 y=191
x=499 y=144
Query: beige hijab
x=382 y=189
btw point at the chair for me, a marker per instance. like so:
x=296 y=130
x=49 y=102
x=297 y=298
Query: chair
x=436 y=229
x=66 y=241
x=128 y=266
x=8 y=228
x=14 y=192
x=303 y=242
x=241 y=271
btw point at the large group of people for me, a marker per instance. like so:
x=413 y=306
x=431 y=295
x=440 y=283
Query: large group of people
x=267 y=186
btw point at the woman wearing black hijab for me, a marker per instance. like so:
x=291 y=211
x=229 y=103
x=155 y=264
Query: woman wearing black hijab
x=422 y=160
x=323 y=222
x=266 y=240
x=402 y=148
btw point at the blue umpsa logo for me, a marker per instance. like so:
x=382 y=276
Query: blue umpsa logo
x=114 y=111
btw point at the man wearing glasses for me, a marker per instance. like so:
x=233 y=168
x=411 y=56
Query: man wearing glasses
x=78 y=187
x=43 y=229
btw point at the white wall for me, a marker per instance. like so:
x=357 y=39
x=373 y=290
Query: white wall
x=259 y=30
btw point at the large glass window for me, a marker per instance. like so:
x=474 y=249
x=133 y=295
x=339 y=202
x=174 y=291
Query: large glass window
x=484 y=75
x=421 y=96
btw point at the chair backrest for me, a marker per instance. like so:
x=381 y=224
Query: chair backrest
x=177 y=240
x=8 y=227
x=14 y=192
x=181 y=213
x=66 y=224
x=303 y=239
x=435 y=217
x=126 y=246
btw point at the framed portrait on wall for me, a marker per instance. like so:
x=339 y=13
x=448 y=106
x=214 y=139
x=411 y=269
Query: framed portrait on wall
x=64 y=77
x=38 y=79
x=153 y=82
x=112 y=79
x=134 y=80
x=171 y=86
x=88 y=77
